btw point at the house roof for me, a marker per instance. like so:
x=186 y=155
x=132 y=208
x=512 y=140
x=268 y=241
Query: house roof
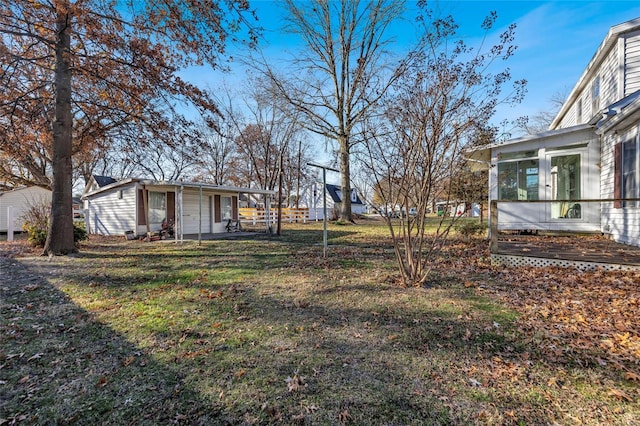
x=21 y=188
x=104 y=180
x=609 y=42
x=614 y=114
x=335 y=191
x=182 y=184
x=481 y=156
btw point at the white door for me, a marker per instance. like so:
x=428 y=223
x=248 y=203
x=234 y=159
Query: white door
x=564 y=183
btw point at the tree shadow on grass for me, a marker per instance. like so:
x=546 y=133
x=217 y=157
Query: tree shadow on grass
x=267 y=353
x=60 y=365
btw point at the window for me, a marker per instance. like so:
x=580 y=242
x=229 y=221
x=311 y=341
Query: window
x=157 y=207
x=518 y=180
x=225 y=205
x=630 y=171
x=579 y=112
x=595 y=95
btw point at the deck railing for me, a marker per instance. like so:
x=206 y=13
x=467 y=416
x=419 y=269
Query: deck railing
x=573 y=212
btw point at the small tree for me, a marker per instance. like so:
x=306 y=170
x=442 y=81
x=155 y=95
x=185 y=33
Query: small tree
x=414 y=149
x=341 y=73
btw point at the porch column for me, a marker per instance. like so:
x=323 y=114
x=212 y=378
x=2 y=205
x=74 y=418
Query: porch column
x=267 y=213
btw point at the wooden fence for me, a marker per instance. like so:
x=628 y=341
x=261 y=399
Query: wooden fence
x=255 y=215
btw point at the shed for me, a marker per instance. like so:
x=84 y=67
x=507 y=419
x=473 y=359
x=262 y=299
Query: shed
x=20 y=199
x=142 y=205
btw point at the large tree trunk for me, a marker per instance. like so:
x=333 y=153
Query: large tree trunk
x=345 y=174
x=60 y=236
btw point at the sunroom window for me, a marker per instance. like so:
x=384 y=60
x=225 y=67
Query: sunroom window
x=518 y=180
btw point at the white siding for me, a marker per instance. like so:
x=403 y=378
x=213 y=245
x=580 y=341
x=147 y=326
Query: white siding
x=609 y=76
x=108 y=214
x=632 y=63
x=623 y=224
x=21 y=200
x=538 y=215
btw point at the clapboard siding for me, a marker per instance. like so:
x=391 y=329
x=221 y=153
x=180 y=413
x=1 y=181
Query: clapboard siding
x=112 y=212
x=632 y=63
x=623 y=224
x=609 y=76
x=21 y=200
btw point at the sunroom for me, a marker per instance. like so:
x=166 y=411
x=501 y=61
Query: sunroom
x=545 y=181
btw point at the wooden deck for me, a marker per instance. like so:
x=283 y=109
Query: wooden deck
x=583 y=252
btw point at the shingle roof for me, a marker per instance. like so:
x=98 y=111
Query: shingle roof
x=335 y=191
x=104 y=180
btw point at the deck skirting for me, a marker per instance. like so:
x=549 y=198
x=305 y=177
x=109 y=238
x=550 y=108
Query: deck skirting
x=513 y=261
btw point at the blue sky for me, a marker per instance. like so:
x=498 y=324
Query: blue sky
x=555 y=39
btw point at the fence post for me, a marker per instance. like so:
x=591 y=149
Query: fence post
x=493 y=226
x=10 y=223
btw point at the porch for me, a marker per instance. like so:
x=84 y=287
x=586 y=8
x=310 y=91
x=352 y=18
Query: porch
x=583 y=252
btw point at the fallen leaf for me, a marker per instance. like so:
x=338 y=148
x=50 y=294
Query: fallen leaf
x=102 y=381
x=619 y=394
x=294 y=383
x=128 y=361
x=632 y=376
x=25 y=379
x=344 y=417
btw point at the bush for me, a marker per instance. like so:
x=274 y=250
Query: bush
x=469 y=228
x=36 y=225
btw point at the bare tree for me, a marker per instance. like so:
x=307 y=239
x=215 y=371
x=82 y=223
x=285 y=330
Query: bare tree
x=541 y=121
x=216 y=154
x=124 y=54
x=434 y=111
x=342 y=71
x=269 y=134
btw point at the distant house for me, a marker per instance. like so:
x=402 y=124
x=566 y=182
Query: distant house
x=142 y=205
x=334 y=199
x=96 y=182
x=590 y=152
x=20 y=199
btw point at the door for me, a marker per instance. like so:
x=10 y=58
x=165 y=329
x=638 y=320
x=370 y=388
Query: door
x=565 y=184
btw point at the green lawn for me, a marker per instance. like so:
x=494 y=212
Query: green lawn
x=267 y=331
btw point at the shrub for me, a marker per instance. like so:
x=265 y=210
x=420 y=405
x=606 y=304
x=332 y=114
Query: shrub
x=469 y=228
x=36 y=225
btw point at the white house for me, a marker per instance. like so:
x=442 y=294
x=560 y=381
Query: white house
x=590 y=152
x=141 y=206
x=20 y=200
x=312 y=198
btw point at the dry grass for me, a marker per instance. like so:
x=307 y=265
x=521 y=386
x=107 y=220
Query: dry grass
x=266 y=331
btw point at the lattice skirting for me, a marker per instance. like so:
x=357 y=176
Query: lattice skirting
x=518 y=261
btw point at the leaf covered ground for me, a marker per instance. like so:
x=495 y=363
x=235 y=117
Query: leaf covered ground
x=267 y=331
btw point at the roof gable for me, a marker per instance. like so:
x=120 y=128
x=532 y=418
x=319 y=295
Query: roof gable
x=335 y=192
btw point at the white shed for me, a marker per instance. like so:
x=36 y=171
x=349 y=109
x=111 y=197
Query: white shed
x=141 y=205
x=20 y=200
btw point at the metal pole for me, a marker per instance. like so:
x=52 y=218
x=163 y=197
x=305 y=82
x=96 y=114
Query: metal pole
x=200 y=219
x=324 y=203
x=324 y=212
